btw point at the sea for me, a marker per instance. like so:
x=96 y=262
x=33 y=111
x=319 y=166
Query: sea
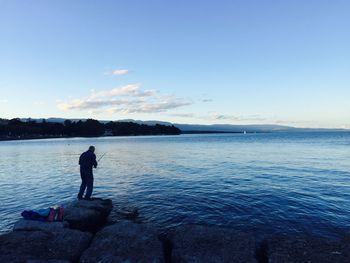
x=263 y=183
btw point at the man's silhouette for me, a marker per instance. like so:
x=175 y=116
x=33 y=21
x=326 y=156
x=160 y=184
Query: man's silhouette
x=87 y=161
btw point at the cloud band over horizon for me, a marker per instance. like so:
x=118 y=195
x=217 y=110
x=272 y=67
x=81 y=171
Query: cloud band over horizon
x=126 y=99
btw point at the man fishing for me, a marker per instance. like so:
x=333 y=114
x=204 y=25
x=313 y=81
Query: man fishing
x=87 y=161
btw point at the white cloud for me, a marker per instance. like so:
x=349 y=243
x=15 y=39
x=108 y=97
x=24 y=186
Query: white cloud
x=126 y=99
x=217 y=116
x=151 y=107
x=119 y=72
x=3 y=101
x=88 y=104
x=128 y=90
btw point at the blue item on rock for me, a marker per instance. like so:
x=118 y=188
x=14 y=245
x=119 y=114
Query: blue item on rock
x=39 y=215
x=49 y=214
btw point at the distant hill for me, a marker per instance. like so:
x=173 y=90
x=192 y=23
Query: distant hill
x=192 y=128
x=200 y=128
x=150 y=122
x=233 y=128
x=217 y=127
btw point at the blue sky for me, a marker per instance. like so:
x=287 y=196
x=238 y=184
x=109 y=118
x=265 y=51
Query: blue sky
x=239 y=62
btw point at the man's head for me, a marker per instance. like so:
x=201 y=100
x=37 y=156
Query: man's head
x=92 y=148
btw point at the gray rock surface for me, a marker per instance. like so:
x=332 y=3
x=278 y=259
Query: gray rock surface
x=48 y=261
x=88 y=215
x=23 y=246
x=288 y=249
x=197 y=244
x=31 y=225
x=104 y=206
x=124 y=242
x=128 y=242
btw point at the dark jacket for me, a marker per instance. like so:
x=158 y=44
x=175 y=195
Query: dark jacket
x=87 y=160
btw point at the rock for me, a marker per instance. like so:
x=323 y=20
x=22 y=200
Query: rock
x=88 y=215
x=84 y=220
x=104 y=206
x=30 y=225
x=131 y=213
x=48 y=261
x=65 y=245
x=283 y=249
x=124 y=242
x=196 y=244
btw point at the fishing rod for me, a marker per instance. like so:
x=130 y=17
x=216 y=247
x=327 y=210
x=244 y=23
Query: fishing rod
x=101 y=157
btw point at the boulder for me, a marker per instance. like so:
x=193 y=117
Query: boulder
x=124 y=242
x=196 y=244
x=31 y=225
x=88 y=215
x=104 y=206
x=48 y=261
x=65 y=245
x=283 y=249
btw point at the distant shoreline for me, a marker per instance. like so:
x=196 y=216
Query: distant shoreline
x=39 y=137
x=32 y=138
x=67 y=137
x=209 y=132
x=15 y=129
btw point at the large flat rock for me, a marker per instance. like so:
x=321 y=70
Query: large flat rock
x=197 y=244
x=31 y=225
x=47 y=261
x=88 y=215
x=65 y=245
x=124 y=242
x=287 y=249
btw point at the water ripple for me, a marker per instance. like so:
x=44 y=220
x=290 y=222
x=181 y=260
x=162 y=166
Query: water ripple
x=281 y=182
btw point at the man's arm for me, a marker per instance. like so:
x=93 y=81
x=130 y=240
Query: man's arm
x=94 y=161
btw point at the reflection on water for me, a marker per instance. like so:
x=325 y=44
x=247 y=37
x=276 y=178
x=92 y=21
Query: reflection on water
x=279 y=182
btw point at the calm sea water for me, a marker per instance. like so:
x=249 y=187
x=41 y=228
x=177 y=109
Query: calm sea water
x=265 y=183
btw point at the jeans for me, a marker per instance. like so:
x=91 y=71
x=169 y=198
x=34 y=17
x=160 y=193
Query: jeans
x=87 y=182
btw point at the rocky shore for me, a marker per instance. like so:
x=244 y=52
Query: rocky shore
x=86 y=236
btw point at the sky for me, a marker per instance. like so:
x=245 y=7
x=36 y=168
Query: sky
x=199 y=61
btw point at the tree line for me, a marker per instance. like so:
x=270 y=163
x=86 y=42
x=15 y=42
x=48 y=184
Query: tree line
x=17 y=129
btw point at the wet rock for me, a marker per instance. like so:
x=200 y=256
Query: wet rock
x=128 y=213
x=48 y=261
x=88 y=215
x=287 y=249
x=31 y=225
x=104 y=206
x=124 y=242
x=64 y=245
x=198 y=244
